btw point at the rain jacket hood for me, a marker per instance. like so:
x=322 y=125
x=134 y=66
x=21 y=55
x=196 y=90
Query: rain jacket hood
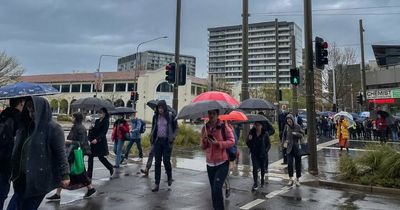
x=163 y=104
x=290 y=116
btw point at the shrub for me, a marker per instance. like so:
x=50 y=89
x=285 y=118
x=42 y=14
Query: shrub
x=187 y=136
x=65 y=118
x=347 y=167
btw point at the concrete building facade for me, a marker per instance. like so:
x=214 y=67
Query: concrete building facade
x=153 y=60
x=225 y=52
x=116 y=88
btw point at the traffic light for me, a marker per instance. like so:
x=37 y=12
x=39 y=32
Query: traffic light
x=280 y=95
x=134 y=96
x=360 y=99
x=170 y=70
x=182 y=75
x=321 y=53
x=295 y=76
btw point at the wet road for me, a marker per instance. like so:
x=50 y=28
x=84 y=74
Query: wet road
x=190 y=190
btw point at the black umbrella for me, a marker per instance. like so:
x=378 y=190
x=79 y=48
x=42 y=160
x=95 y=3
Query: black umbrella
x=122 y=111
x=200 y=109
x=390 y=120
x=256 y=104
x=153 y=105
x=252 y=118
x=92 y=103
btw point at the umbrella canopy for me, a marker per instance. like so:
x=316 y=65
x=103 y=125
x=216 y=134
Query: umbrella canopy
x=217 y=96
x=153 y=104
x=200 y=109
x=327 y=114
x=256 y=104
x=365 y=114
x=92 y=103
x=390 y=120
x=252 y=118
x=346 y=115
x=233 y=116
x=122 y=111
x=22 y=89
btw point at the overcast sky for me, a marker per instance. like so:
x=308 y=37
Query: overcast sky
x=54 y=36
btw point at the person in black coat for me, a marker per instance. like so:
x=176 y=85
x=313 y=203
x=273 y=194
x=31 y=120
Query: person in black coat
x=259 y=145
x=39 y=162
x=9 y=120
x=98 y=142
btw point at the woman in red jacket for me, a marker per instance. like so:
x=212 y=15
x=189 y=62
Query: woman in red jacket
x=216 y=138
x=119 y=134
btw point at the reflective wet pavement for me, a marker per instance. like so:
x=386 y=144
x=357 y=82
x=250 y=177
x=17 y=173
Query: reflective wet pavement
x=190 y=189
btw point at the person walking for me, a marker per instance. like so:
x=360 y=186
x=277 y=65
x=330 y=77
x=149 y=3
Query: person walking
x=98 y=142
x=119 y=135
x=394 y=129
x=381 y=127
x=292 y=137
x=163 y=133
x=215 y=144
x=343 y=133
x=9 y=120
x=259 y=145
x=281 y=126
x=135 y=137
x=39 y=162
x=76 y=138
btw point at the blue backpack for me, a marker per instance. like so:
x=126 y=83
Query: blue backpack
x=142 y=127
x=231 y=151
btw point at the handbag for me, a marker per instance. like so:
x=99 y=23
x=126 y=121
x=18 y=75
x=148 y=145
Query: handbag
x=78 y=166
x=303 y=149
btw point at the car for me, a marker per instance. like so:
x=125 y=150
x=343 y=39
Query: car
x=91 y=118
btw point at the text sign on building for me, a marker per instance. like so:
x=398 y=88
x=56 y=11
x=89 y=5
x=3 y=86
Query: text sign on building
x=379 y=93
x=396 y=93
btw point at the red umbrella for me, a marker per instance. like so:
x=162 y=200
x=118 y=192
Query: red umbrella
x=216 y=96
x=233 y=116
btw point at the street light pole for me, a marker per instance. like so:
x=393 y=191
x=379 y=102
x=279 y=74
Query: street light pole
x=175 y=102
x=98 y=67
x=364 y=84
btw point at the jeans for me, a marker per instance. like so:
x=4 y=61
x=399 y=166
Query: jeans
x=297 y=160
x=150 y=158
x=138 y=145
x=103 y=160
x=258 y=163
x=217 y=176
x=18 y=202
x=395 y=135
x=118 y=144
x=4 y=186
x=162 y=151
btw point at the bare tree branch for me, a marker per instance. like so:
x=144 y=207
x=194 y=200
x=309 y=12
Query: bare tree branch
x=10 y=69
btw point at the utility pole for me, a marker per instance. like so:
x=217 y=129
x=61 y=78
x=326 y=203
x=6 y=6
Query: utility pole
x=334 y=108
x=310 y=95
x=277 y=67
x=293 y=66
x=245 y=51
x=364 y=84
x=177 y=45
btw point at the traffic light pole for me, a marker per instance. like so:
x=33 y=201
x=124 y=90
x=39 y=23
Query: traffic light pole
x=293 y=66
x=310 y=97
x=177 y=45
x=364 y=84
x=245 y=51
x=277 y=68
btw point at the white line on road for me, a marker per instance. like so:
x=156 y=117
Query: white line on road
x=278 y=192
x=252 y=204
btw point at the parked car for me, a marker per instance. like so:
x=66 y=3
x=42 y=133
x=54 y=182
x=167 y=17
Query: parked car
x=91 y=118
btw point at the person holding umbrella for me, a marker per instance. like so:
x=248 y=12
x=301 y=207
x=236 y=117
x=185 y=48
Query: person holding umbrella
x=343 y=133
x=98 y=142
x=259 y=145
x=215 y=144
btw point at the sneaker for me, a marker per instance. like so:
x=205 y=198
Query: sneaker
x=297 y=182
x=89 y=193
x=145 y=172
x=138 y=159
x=291 y=182
x=255 y=187
x=169 y=182
x=54 y=197
x=125 y=162
x=227 y=192
x=262 y=184
x=111 y=171
x=155 y=188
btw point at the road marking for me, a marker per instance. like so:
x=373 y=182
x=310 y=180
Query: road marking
x=252 y=204
x=278 y=192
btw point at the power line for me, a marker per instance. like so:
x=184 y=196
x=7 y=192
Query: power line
x=333 y=14
x=369 y=43
x=333 y=9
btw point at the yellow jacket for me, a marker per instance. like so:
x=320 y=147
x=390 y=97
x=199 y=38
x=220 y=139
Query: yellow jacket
x=343 y=128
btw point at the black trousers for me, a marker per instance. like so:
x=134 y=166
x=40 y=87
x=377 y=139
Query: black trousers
x=297 y=162
x=258 y=163
x=103 y=160
x=217 y=176
x=162 y=152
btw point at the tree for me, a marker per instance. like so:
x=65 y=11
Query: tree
x=10 y=69
x=339 y=61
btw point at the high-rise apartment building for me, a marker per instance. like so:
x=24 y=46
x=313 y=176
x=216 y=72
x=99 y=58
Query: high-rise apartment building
x=152 y=60
x=225 y=52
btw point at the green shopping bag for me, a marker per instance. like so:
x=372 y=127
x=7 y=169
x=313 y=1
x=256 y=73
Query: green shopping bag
x=78 y=166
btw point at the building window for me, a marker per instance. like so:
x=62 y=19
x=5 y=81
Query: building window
x=199 y=90
x=132 y=87
x=193 y=90
x=109 y=87
x=165 y=87
x=76 y=88
x=120 y=87
x=56 y=87
x=65 y=88
x=86 y=88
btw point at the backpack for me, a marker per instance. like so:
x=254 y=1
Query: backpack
x=231 y=151
x=142 y=127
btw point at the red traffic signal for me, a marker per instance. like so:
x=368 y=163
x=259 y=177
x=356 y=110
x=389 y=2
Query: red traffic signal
x=170 y=70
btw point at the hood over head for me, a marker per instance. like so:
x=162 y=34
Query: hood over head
x=42 y=112
x=163 y=104
x=290 y=116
